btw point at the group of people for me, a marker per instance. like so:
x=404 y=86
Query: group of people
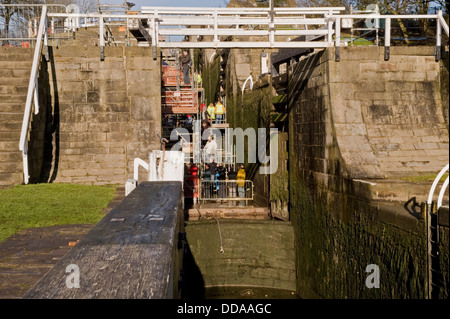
x=218 y=181
x=224 y=182
x=213 y=113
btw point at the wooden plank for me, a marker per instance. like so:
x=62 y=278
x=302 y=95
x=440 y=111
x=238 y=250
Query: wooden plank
x=133 y=252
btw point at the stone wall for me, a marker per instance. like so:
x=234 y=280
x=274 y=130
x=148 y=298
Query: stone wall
x=356 y=127
x=15 y=69
x=105 y=113
x=388 y=115
x=361 y=132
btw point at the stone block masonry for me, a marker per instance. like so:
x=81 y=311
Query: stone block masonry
x=108 y=112
x=15 y=69
x=360 y=128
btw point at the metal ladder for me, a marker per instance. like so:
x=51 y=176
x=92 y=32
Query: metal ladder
x=432 y=209
x=433 y=254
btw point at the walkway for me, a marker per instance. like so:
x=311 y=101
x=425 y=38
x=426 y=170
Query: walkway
x=30 y=254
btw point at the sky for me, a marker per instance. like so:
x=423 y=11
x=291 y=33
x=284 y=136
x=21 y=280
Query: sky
x=171 y=3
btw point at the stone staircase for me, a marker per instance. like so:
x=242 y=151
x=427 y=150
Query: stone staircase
x=89 y=37
x=15 y=68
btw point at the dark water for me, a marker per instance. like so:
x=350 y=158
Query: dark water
x=248 y=293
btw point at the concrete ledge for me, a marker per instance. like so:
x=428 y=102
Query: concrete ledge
x=133 y=252
x=247 y=212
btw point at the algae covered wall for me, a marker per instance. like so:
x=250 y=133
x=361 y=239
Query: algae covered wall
x=332 y=254
x=339 y=231
x=255 y=253
x=253 y=111
x=349 y=123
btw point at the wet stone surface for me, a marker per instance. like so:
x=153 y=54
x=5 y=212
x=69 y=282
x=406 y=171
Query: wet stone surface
x=30 y=254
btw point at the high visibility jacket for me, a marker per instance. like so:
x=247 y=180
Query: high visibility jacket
x=211 y=111
x=240 y=177
x=220 y=109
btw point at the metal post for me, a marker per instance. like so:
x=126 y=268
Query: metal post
x=387 y=39
x=338 y=40
x=154 y=38
x=102 y=38
x=271 y=25
x=438 y=38
x=330 y=29
x=47 y=58
x=216 y=40
x=36 y=96
x=428 y=286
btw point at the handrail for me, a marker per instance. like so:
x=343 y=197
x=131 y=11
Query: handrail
x=226 y=190
x=32 y=86
x=442 y=21
x=433 y=187
x=251 y=83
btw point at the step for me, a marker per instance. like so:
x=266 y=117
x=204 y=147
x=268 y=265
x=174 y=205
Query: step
x=16 y=73
x=394 y=190
x=10 y=157
x=11 y=167
x=14 y=82
x=13 y=99
x=14 y=90
x=12 y=107
x=10 y=126
x=11 y=117
x=7 y=179
x=10 y=137
x=16 y=54
x=227 y=210
x=16 y=65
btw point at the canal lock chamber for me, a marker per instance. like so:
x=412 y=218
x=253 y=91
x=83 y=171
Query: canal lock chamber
x=239 y=259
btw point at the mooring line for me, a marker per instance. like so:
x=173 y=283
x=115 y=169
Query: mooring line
x=220 y=235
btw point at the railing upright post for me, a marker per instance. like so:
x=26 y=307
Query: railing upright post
x=47 y=58
x=438 y=38
x=387 y=39
x=330 y=29
x=101 y=38
x=216 y=24
x=271 y=27
x=36 y=95
x=154 y=40
x=338 y=40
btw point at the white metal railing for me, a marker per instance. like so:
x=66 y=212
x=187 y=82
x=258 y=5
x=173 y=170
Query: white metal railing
x=440 y=25
x=20 y=22
x=226 y=190
x=275 y=27
x=443 y=188
x=320 y=26
x=32 y=93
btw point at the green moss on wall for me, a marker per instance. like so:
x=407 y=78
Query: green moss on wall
x=211 y=80
x=332 y=256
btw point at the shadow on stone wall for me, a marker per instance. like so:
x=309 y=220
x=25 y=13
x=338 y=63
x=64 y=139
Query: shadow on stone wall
x=51 y=140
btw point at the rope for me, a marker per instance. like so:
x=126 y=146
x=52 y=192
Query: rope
x=220 y=235
x=163 y=159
